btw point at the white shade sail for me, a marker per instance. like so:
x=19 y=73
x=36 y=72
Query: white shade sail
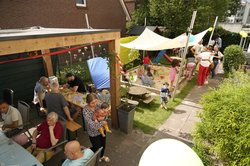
x=148 y=40
x=151 y=41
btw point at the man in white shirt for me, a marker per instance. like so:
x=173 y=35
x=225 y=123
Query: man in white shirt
x=12 y=118
x=206 y=60
x=76 y=156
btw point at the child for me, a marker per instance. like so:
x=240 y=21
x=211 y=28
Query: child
x=140 y=71
x=101 y=116
x=173 y=73
x=164 y=94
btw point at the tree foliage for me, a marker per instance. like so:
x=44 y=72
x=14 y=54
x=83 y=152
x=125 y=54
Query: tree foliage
x=224 y=132
x=234 y=5
x=175 y=15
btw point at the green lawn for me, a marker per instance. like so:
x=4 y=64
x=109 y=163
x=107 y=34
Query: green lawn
x=149 y=116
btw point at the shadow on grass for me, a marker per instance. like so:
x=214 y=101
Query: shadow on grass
x=138 y=109
x=179 y=111
x=148 y=117
x=146 y=128
x=154 y=104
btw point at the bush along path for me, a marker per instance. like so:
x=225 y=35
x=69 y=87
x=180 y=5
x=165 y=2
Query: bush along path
x=223 y=136
x=184 y=117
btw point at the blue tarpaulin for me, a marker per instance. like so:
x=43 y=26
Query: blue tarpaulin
x=99 y=72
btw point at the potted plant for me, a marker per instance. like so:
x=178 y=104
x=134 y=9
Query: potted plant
x=126 y=111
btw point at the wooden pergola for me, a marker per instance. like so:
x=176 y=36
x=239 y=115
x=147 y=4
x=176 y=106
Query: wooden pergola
x=44 y=39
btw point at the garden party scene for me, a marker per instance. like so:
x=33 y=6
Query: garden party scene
x=148 y=83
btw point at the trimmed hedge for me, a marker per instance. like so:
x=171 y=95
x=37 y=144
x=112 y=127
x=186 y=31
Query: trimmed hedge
x=224 y=132
x=233 y=58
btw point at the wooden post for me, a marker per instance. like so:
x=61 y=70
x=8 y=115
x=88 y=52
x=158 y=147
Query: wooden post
x=245 y=39
x=190 y=28
x=87 y=22
x=114 y=48
x=47 y=63
x=212 y=33
x=241 y=40
x=145 y=25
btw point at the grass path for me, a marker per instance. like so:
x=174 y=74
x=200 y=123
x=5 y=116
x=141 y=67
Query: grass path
x=149 y=116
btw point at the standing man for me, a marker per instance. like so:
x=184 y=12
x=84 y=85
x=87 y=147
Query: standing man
x=39 y=93
x=76 y=156
x=12 y=118
x=75 y=83
x=57 y=103
x=218 y=41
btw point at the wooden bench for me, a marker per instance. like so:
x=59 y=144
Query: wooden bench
x=148 y=99
x=133 y=102
x=73 y=127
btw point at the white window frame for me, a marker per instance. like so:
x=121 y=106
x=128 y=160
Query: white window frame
x=84 y=4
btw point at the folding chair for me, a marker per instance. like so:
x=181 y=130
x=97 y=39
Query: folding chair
x=24 y=110
x=8 y=96
x=94 y=160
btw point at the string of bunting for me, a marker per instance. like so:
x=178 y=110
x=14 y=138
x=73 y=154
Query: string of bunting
x=120 y=64
x=53 y=53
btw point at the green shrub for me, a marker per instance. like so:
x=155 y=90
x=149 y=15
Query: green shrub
x=224 y=132
x=233 y=58
x=79 y=69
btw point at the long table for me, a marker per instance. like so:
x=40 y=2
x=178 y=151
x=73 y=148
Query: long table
x=75 y=98
x=12 y=154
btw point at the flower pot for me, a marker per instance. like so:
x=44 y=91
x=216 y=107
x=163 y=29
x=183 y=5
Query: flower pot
x=126 y=117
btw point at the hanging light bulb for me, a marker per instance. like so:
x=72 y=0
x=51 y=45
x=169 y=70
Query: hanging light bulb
x=100 y=45
x=67 y=62
x=79 y=50
x=82 y=53
x=69 y=52
x=85 y=48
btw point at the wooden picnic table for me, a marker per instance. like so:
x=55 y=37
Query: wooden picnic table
x=137 y=91
x=140 y=94
x=75 y=98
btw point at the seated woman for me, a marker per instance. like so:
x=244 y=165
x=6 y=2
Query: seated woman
x=140 y=71
x=104 y=95
x=46 y=135
x=146 y=80
x=149 y=73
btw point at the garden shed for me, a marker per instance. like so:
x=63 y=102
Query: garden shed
x=18 y=41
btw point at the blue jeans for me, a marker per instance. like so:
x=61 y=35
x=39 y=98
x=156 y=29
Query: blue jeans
x=213 y=71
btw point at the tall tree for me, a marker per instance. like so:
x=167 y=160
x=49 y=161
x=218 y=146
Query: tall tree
x=175 y=15
x=234 y=5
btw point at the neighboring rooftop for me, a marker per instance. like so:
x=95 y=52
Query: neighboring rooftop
x=137 y=30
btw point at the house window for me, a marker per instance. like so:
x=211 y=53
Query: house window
x=81 y=3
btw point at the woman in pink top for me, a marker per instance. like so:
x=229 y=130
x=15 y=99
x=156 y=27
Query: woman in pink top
x=173 y=73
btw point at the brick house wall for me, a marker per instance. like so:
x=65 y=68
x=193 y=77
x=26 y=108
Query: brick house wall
x=62 y=14
x=131 y=5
